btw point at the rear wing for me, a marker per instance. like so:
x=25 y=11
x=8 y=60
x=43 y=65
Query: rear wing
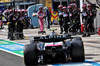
x=55 y=38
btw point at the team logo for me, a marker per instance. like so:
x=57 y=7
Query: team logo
x=60 y=13
x=65 y=15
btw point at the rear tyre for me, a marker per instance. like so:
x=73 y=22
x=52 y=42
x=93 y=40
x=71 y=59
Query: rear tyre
x=77 y=51
x=30 y=55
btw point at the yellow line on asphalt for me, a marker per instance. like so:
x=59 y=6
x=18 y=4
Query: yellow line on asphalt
x=26 y=37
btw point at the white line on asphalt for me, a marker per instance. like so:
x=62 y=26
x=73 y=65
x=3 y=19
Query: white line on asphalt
x=87 y=64
x=11 y=53
x=98 y=62
x=3 y=30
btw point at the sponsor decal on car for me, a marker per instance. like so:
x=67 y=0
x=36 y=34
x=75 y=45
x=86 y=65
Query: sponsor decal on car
x=50 y=37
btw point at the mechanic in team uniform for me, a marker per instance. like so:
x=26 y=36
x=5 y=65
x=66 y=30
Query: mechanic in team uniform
x=65 y=19
x=76 y=17
x=48 y=17
x=84 y=19
x=73 y=16
x=60 y=14
x=94 y=11
x=90 y=19
x=19 y=26
x=27 y=21
x=11 y=26
x=70 y=15
x=1 y=15
x=6 y=13
x=78 y=20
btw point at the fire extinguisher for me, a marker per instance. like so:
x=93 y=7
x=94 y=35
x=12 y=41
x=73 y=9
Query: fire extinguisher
x=82 y=27
x=99 y=31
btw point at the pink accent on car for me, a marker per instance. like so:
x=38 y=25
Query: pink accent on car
x=54 y=44
x=48 y=44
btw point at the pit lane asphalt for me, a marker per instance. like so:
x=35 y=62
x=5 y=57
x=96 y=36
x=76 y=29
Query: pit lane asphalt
x=7 y=59
x=92 y=45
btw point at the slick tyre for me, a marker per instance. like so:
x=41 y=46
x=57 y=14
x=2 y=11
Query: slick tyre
x=30 y=55
x=77 y=38
x=77 y=51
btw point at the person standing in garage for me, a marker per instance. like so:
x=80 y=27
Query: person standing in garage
x=65 y=19
x=60 y=14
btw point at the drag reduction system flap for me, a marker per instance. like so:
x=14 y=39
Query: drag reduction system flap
x=55 y=38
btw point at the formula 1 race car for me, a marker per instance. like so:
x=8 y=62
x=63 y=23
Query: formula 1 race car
x=54 y=48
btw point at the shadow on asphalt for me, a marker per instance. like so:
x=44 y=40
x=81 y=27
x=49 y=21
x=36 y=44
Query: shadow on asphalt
x=89 y=57
x=92 y=54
